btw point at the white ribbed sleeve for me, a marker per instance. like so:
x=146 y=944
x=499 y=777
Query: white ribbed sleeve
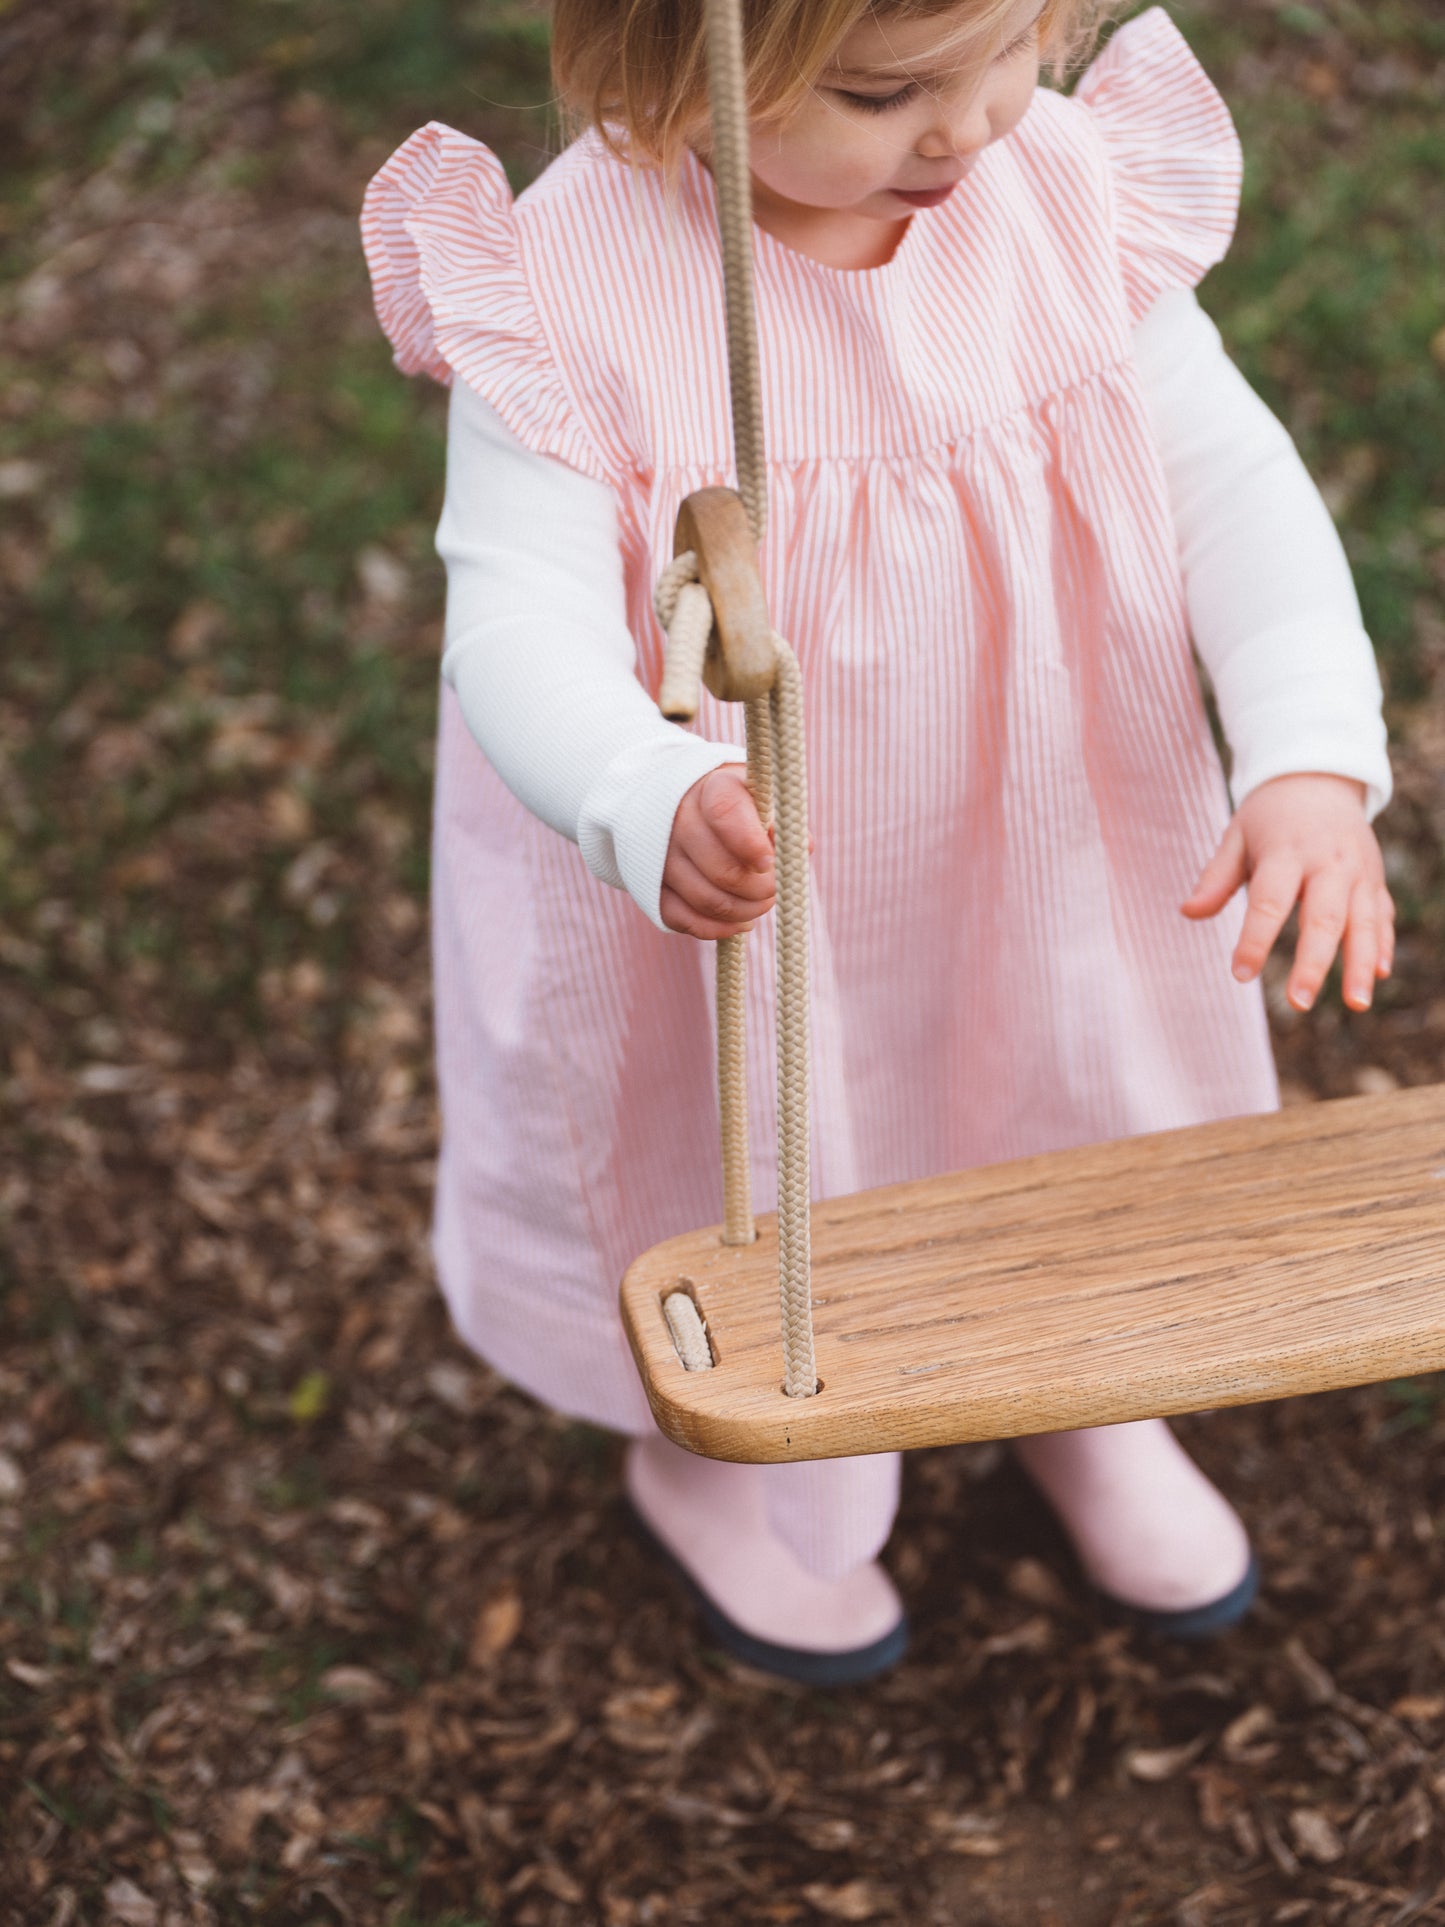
x=539 y=652
x=541 y=658
x=1272 y=606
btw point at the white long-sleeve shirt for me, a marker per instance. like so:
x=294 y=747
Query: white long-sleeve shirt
x=542 y=661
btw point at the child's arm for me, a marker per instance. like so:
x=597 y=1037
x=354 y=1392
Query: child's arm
x=1277 y=625
x=542 y=662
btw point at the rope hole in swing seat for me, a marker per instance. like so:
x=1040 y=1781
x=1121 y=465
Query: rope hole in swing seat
x=687 y=1328
x=1256 y=1258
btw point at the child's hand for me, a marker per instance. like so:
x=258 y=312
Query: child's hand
x=1305 y=838
x=718 y=878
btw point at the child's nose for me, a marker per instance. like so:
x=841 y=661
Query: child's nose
x=959 y=133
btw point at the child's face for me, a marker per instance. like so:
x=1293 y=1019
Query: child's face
x=892 y=125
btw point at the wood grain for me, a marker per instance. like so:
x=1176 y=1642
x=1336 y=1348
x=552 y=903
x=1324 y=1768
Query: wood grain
x=1252 y=1259
x=713 y=523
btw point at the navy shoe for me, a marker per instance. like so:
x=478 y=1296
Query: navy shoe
x=1194 y=1622
x=796 y=1663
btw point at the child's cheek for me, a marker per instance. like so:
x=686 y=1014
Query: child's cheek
x=825 y=161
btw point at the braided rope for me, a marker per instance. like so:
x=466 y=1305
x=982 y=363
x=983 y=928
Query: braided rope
x=667 y=590
x=777 y=774
x=685 y=612
x=728 y=103
x=732 y=1091
x=800 y=1376
x=689 y=1333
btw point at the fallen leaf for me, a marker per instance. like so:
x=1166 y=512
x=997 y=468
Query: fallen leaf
x=310 y=1398
x=557 y=1734
x=353 y=1685
x=1217 y=1795
x=497 y=1625
x=1319 y=1687
x=288 y=815
x=1419 y=1706
x=1204 y=1904
x=973 y=1835
x=1155 y=1763
x=1373 y=1080
x=1315 y=1836
x=1240 y=1737
x=195 y=629
x=855 y=1901
x=457 y=1387
x=1036 y=1584
x=1032 y=1636
x=126 y=1903
x=19 y=477
x=382 y=577
x=560 y=1884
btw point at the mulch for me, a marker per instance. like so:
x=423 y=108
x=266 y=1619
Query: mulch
x=309 y=1617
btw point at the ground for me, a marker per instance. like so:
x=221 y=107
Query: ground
x=305 y=1616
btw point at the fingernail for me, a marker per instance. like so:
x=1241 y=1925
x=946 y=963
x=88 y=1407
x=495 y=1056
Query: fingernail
x=1302 y=999
x=1242 y=973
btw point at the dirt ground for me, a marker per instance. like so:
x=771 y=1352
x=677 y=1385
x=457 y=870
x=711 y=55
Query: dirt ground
x=304 y=1616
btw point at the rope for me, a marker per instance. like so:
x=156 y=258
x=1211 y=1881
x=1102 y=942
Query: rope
x=689 y=1333
x=800 y=1376
x=778 y=778
x=728 y=103
x=777 y=775
x=732 y=1091
x=685 y=612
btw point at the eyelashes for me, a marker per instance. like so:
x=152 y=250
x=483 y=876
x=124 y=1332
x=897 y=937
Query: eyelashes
x=880 y=103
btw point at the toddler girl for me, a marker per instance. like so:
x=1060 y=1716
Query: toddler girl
x=1011 y=474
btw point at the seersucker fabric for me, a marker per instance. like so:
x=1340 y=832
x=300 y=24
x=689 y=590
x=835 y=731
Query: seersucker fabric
x=1012 y=780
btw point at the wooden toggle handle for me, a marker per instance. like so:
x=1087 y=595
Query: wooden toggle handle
x=739 y=663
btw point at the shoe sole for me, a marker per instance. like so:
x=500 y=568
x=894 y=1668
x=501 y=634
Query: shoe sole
x=1195 y=1622
x=797 y=1664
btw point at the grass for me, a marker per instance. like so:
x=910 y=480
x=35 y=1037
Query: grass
x=1334 y=293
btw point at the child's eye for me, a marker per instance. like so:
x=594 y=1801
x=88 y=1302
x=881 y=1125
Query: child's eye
x=879 y=103
x=1025 y=39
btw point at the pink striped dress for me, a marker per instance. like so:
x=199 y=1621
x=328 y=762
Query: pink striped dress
x=1013 y=784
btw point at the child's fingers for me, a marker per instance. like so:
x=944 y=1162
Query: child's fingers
x=700 y=842
x=679 y=915
x=1386 y=962
x=713 y=898
x=1272 y=892
x=727 y=807
x=1363 y=938
x=1325 y=911
x=708 y=899
x=1220 y=877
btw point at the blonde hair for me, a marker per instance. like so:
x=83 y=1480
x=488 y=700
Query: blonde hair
x=636 y=69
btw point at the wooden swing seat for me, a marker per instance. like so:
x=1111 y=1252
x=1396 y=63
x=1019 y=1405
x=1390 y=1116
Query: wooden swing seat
x=1253 y=1259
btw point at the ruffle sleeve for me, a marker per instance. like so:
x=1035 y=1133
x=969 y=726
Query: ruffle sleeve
x=1173 y=155
x=451 y=292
